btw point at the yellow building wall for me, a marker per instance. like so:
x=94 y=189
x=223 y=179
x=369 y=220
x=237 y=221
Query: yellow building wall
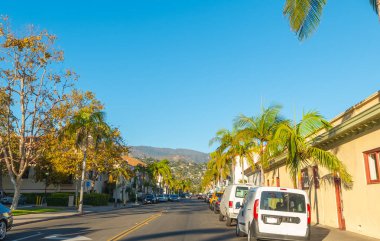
x=361 y=204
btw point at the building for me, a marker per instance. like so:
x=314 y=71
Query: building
x=355 y=140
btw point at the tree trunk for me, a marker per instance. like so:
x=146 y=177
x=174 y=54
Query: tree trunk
x=80 y=208
x=17 y=186
x=242 y=169
x=262 y=178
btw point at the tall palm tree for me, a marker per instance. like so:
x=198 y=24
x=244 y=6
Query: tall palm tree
x=221 y=164
x=227 y=146
x=160 y=171
x=305 y=15
x=259 y=133
x=296 y=138
x=88 y=127
x=117 y=173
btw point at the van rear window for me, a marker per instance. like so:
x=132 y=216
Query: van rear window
x=283 y=201
x=241 y=191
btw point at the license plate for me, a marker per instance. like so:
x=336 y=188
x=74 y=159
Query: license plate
x=271 y=220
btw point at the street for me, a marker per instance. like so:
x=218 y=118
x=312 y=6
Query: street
x=186 y=220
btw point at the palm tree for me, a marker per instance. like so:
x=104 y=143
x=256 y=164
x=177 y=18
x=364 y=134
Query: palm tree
x=88 y=127
x=305 y=15
x=160 y=171
x=117 y=173
x=259 y=134
x=221 y=163
x=296 y=138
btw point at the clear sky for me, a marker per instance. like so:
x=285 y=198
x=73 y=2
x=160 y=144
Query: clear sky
x=171 y=73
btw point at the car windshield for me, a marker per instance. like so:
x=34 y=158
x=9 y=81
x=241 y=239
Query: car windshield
x=149 y=196
x=219 y=194
x=241 y=191
x=173 y=195
x=283 y=201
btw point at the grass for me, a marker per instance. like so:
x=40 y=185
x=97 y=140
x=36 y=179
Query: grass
x=19 y=212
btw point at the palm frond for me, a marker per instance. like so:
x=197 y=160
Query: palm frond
x=304 y=16
x=376 y=6
x=311 y=122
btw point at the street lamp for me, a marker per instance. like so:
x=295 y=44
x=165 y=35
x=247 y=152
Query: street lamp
x=137 y=174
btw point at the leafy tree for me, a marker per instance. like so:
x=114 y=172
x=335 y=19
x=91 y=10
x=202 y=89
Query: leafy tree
x=305 y=15
x=30 y=88
x=296 y=138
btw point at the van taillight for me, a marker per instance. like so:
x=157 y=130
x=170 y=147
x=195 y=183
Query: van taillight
x=230 y=204
x=308 y=214
x=256 y=209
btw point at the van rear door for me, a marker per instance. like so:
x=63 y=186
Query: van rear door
x=284 y=213
x=240 y=193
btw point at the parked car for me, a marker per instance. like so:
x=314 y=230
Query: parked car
x=275 y=213
x=162 y=198
x=9 y=200
x=6 y=221
x=174 y=198
x=208 y=196
x=214 y=198
x=149 y=198
x=231 y=202
x=217 y=205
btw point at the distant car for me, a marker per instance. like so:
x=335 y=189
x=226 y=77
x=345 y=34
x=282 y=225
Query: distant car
x=217 y=205
x=162 y=198
x=174 y=198
x=149 y=198
x=6 y=221
x=9 y=200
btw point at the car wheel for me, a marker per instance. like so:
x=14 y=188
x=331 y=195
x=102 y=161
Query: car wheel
x=229 y=221
x=3 y=230
x=221 y=217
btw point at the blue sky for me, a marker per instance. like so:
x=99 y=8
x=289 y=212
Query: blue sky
x=171 y=73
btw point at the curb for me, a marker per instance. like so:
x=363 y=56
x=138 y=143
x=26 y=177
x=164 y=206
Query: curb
x=73 y=215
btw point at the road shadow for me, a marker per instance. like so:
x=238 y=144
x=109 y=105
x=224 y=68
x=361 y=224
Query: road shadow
x=59 y=233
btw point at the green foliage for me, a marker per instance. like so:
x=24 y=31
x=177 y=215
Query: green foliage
x=96 y=199
x=305 y=15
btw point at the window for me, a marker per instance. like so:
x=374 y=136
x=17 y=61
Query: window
x=241 y=191
x=372 y=166
x=305 y=179
x=283 y=201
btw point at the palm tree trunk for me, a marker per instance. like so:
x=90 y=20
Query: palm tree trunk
x=80 y=208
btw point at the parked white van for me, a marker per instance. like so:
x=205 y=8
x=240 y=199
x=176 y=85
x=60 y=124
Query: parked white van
x=231 y=201
x=275 y=213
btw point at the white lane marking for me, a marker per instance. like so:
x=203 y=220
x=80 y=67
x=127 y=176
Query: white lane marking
x=31 y=236
x=62 y=237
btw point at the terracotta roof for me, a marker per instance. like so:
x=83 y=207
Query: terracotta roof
x=133 y=161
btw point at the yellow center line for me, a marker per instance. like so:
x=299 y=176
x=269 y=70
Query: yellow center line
x=137 y=226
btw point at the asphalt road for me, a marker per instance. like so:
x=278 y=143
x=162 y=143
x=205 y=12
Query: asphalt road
x=188 y=220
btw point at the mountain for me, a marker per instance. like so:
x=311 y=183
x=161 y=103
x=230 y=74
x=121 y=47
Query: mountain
x=168 y=153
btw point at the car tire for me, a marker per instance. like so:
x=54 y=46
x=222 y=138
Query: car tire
x=3 y=230
x=229 y=221
x=221 y=217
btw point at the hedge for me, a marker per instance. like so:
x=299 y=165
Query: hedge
x=96 y=199
x=93 y=199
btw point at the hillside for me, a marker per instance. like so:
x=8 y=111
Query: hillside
x=143 y=152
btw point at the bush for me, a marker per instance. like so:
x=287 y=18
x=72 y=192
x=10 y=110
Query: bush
x=58 y=201
x=96 y=199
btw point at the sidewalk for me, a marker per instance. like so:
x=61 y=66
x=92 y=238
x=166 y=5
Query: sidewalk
x=69 y=212
x=325 y=233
